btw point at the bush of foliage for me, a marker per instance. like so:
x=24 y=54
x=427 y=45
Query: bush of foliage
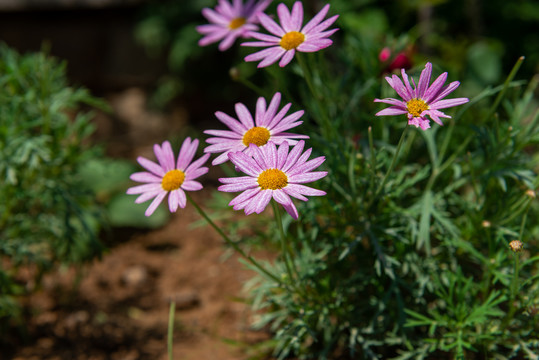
x=425 y=246
x=48 y=214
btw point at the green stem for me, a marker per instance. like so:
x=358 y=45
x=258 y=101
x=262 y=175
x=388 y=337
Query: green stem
x=328 y=129
x=249 y=84
x=505 y=87
x=390 y=169
x=287 y=251
x=514 y=284
x=516 y=269
x=170 y=329
x=232 y=243
x=373 y=157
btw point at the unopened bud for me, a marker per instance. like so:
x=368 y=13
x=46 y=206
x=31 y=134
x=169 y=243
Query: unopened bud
x=384 y=54
x=234 y=73
x=486 y=224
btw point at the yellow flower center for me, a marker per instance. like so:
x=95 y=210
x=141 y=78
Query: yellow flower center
x=258 y=136
x=173 y=180
x=292 y=40
x=416 y=107
x=272 y=179
x=236 y=23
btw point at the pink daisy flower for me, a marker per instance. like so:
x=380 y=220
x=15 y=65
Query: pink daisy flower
x=268 y=125
x=169 y=177
x=421 y=100
x=290 y=37
x=230 y=21
x=273 y=173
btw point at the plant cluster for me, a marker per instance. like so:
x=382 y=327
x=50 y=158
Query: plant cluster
x=48 y=213
x=422 y=243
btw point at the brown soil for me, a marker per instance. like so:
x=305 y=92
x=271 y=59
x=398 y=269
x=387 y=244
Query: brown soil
x=120 y=308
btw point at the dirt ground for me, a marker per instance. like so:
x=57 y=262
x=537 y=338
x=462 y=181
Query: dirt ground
x=119 y=310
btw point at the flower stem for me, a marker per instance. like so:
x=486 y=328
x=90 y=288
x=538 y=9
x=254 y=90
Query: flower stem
x=170 y=329
x=232 y=243
x=287 y=251
x=390 y=169
x=501 y=94
x=328 y=129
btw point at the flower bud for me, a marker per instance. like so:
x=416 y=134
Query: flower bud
x=516 y=245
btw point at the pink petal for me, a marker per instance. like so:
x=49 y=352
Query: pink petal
x=278 y=117
x=193 y=174
x=258 y=156
x=291 y=190
x=271 y=25
x=272 y=109
x=245 y=163
x=446 y=91
x=225 y=145
x=287 y=57
x=259 y=202
x=151 y=166
x=244 y=196
x=173 y=201
x=293 y=155
x=139 y=189
x=281 y=197
x=234 y=180
x=259 y=55
x=260 y=111
x=320 y=35
x=391 y=111
x=223 y=133
x=240 y=186
x=196 y=164
x=214 y=17
x=306 y=177
x=155 y=203
x=244 y=115
x=308 y=166
x=424 y=80
x=263 y=37
x=284 y=17
x=399 y=87
x=224 y=156
x=291 y=209
x=422 y=123
x=296 y=18
x=304 y=190
x=282 y=154
x=442 y=104
x=272 y=57
x=191 y=185
x=434 y=89
x=187 y=152
x=270 y=155
x=410 y=91
x=228 y=41
x=182 y=198
x=316 y=19
x=232 y=123
x=145 y=177
x=147 y=196
x=394 y=102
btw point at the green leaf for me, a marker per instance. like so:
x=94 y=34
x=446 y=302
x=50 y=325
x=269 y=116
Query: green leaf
x=122 y=211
